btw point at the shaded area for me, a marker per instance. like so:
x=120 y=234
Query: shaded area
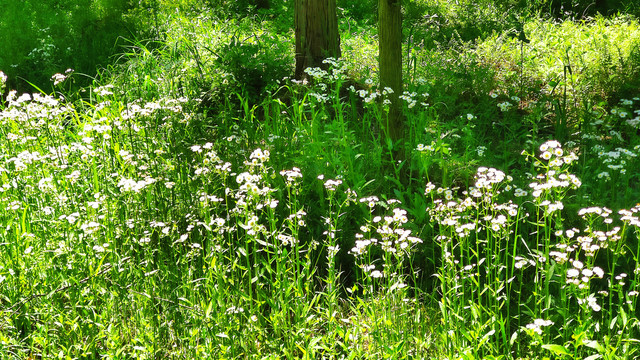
x=42 y=38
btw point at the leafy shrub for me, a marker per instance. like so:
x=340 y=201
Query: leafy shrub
x=252 y=65
x=584 y=8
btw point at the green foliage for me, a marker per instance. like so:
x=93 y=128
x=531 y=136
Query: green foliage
x=41 y=38
x=568 y=66
x=198 y=203
x=578 y=9
x=362 y=12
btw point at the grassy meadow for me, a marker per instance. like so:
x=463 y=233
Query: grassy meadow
x=193 y=201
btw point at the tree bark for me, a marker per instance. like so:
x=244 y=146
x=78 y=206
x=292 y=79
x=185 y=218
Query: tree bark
x=317 y=37
x=390 y=62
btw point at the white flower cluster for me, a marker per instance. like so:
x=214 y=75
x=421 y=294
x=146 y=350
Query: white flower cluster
x=538 y=324
x=331 y=185
x=598 y=211
x=556 y=176
x=3 y=81
x=580 y=276
x=371 y=201
x=90 y=227
x=337 y=67
x=135 y=110
x=366 y=96
x=103 y=130
x=487 y=178
x=429 y=188
x=316 y=72
x=34 y=112
x=552 y=207
x=631 y=216
x=478 y=209
x=25 y=158
x=591 y=302
x=520 y=193
x=59 y=78
x=624 y=113
x=552 y=152
x=426 y=148
x=103 y=90
x=393 y=237
x=298 y=218
x=616 y=160
x=292 y=176
x=131 y=185
x=409 y=97
x=252 y=226
x=321 y=98
x=257 y=158
x=521 y=262
x=249 y=184
x=209 y=161
x=505 y=106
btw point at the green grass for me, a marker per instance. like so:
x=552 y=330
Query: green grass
x=194 y=202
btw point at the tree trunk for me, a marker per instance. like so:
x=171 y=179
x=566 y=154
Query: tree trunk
x=317 y=37
x=390 y=62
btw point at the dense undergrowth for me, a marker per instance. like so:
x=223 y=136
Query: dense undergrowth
x=195 y=202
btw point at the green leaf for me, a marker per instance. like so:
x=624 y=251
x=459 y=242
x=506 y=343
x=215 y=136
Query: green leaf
x=594 y=345
x=485 y=338
x=208 y=311
x=556 y=349
x=399 y=195
x=550 y=271
x=314 y=342
x=23 y=220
